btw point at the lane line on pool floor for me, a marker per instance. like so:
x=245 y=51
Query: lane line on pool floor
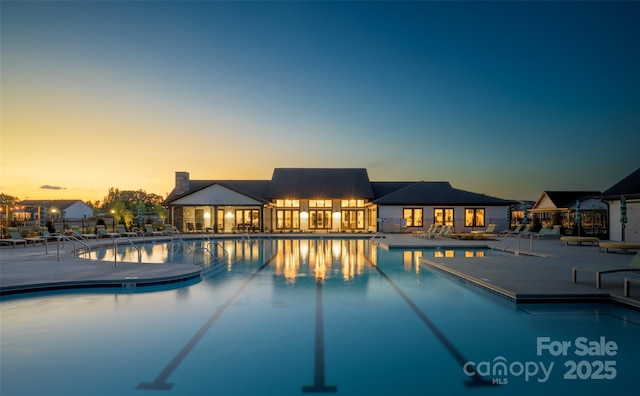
x=160 y=382
x=476 y=380
x=319 y=385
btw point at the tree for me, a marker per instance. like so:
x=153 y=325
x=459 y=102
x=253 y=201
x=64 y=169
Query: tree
x=8 y=200
x=126 y=203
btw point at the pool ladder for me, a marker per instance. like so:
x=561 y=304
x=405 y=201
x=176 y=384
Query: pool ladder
x=115 y=250
x=71 y=239
x=518 y=237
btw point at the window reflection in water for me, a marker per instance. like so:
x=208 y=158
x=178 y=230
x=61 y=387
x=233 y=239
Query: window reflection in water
x=321 y=258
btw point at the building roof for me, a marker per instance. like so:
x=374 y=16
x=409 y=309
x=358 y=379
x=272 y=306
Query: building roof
x=382 y=189
x=437 y=193
x=60 y=204
x=256 y=189
x=567 y=199
x=629 y=187
x=310 y=183
x=343 y=183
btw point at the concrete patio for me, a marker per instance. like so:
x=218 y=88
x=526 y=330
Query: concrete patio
x=532 y=270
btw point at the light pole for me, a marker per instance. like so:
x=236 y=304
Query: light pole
x=53 y=218
x=113 y=220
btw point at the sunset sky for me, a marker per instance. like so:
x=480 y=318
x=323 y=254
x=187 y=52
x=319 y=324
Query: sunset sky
x=503 y=98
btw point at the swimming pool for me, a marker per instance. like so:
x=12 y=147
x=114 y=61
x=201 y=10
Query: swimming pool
x=290 y=317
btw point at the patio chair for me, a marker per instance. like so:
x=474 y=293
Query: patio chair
x=123 y=231
x=75 y=230
x=149 y=231
x=491 y=228
x=44 y=232
x=444 y=232
x=102 y=232
x=14 y=237
x=171 y=230
x=515 y=231
x=548 y=232
x=634 y=265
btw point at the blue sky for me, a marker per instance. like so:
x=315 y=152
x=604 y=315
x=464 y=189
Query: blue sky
x=503 y=98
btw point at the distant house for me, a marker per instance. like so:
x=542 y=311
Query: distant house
x=328 y=199
x=629 y=187
x=593 y=211
x=519 y=210
x=58 y=210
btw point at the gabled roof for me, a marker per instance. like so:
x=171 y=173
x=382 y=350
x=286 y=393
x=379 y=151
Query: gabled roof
x=256 y=189
x=565 y=199
x=60 y=204
x=382 y=189
x=629 y=187
x=437 y=193
x=310 y=183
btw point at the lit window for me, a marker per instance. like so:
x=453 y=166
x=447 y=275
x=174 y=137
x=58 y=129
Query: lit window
x=474 y=217
x=352 y=203
x=412 y=216
x=288 y=203
x=443 y=216
x=320 y=203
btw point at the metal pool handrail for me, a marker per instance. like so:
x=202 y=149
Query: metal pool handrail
x=71 y=239
x=115 y=250
x=518 y=237
x=218 y=244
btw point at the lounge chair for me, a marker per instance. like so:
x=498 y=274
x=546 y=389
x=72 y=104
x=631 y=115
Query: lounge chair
x=634 y=265
x=491 y=229
x=548 y=232
x=444 y=232
x=44 y=232
x=14 y=237
x=15 y=234
x=102 y=232
x=519 y=228
x=149 y=231
x=123 y=231
x=424 y=234
x=78 y=233
x=171 y=230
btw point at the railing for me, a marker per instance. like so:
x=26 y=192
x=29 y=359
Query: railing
x=204 y=249
x=218 y=245
x=518 y=238
x=246 y=235
x=115 y=250
x=179 y=239
x=139 y=232
x=71 y=239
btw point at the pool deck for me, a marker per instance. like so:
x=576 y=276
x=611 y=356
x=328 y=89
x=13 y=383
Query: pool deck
x=541 y=272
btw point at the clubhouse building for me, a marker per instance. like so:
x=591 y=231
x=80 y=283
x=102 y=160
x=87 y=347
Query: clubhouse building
x=328 y=200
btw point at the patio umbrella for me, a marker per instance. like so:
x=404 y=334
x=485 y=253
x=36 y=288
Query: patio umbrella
x=139 y=214
x=509 y=217
x=525 y=216
x=623 y=214
x=578 y=219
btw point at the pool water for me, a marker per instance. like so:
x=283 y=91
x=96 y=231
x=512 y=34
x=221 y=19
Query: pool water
x=292 y=317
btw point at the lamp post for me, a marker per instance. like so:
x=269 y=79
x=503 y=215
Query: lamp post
x=53 y=218
x=113 y=220
x=3 y=214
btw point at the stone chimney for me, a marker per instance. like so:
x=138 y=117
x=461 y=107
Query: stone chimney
x=182 y=182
